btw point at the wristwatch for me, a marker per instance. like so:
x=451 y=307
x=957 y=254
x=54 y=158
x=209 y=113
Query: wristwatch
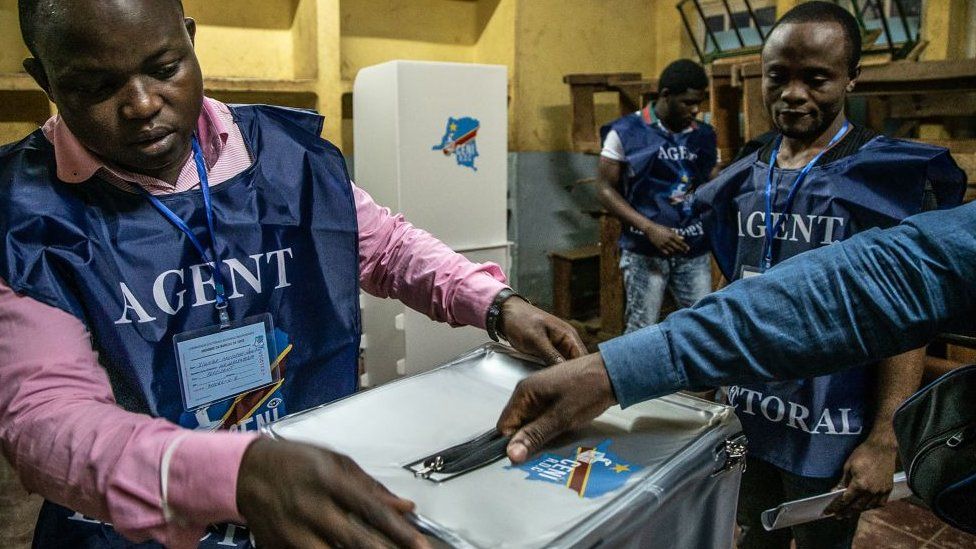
x=495 y=312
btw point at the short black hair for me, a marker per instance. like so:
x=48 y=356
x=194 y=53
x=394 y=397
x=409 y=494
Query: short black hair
x=35 y=13
x=683 y=75
x=818 y=11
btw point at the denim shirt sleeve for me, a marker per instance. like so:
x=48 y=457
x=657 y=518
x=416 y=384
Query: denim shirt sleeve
x=875 y=295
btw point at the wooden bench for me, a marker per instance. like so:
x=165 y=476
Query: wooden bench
x=632 y=91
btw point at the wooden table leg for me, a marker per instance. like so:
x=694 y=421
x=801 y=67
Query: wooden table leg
x=611 y=280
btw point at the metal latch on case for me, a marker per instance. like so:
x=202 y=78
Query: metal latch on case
x=735 y=450
x=450 y=462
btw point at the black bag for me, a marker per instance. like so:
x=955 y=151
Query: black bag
x=936 y=431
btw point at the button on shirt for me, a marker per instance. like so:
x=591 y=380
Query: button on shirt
x=59 y=423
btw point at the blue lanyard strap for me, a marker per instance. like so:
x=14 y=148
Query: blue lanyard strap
x=773 y=228
x=208 y=258
x=651 y=118
x=684 y=175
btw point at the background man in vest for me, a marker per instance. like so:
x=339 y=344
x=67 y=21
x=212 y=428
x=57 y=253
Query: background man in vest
x=145 y=213
x=821 y=180
x=808 y=434
x=651 y=162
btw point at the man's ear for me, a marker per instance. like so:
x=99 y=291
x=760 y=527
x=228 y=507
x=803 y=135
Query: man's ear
x=855 y=74
x=34 y=68
x=191 y=28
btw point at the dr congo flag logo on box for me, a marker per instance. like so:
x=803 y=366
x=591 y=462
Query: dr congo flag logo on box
x=590 y=472
x=460 y=140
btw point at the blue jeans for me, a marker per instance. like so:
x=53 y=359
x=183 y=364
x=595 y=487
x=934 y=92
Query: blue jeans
x=646 y=279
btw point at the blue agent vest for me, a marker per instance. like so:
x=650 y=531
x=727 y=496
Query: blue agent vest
x=810 y=426
x=287 y=236
x=656 y=161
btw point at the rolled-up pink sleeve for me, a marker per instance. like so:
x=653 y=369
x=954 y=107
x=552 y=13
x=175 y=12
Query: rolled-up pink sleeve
x=69 y=442
x=401 y=261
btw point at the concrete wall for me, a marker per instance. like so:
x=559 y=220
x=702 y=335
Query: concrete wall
x=548 y=214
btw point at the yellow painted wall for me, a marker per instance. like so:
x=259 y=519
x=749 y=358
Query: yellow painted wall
x=363 y=51
x=245 y=53
x=12 y=49
x=305 y=47
x=496 y=46
x=783 y=6
x=326 y=42
x=671 y=40
x=376 y=31
x=944 y=25
x=20 y=112
x=496 y=33
x=329 y=84
x=538 y=40
x=252 y=40
x=441 y=21
x=559 y=37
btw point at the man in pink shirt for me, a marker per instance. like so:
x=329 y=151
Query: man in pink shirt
x=145 y=214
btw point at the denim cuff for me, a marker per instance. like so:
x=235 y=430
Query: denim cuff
x=640 y=366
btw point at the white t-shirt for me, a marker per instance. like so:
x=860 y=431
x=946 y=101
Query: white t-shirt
x=613 y=147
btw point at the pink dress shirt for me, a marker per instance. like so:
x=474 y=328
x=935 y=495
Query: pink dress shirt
x=70 y=442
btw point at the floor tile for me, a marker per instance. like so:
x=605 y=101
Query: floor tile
x=909 y=518
x=875 y=534
x=950 y=538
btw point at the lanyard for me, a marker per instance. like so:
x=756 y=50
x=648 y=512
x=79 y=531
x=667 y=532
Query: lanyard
x=209 y=259
x=773 y=228
x=650 y=117
x=684 y=175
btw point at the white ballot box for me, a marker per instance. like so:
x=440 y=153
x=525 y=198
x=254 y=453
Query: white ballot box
x=661 y=474
x=431 y=142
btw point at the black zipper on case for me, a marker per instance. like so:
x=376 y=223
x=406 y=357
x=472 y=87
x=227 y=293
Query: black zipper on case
x=461 y=458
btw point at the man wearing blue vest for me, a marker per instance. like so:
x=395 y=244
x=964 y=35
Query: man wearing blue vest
x=651 y=162
x=821 y=180
x=173 y=269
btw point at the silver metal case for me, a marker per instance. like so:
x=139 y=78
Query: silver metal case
x=681 y=456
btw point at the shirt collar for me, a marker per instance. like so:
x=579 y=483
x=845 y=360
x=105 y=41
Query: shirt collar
x=76 y=164
x=651 y=119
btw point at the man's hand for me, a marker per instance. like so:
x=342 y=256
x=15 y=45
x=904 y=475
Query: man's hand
x=538 y=333
x=552 y=401
x=667 y=240
x=868 y=479
x=297 y=495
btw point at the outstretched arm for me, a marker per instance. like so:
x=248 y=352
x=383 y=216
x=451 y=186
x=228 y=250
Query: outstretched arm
x=401 y=261
x=873 y=296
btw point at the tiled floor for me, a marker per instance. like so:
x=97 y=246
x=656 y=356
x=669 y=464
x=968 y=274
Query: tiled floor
x=904 y=525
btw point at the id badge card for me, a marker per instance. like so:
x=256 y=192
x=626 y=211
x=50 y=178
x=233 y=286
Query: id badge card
x=216 y=364
x=749 y=272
